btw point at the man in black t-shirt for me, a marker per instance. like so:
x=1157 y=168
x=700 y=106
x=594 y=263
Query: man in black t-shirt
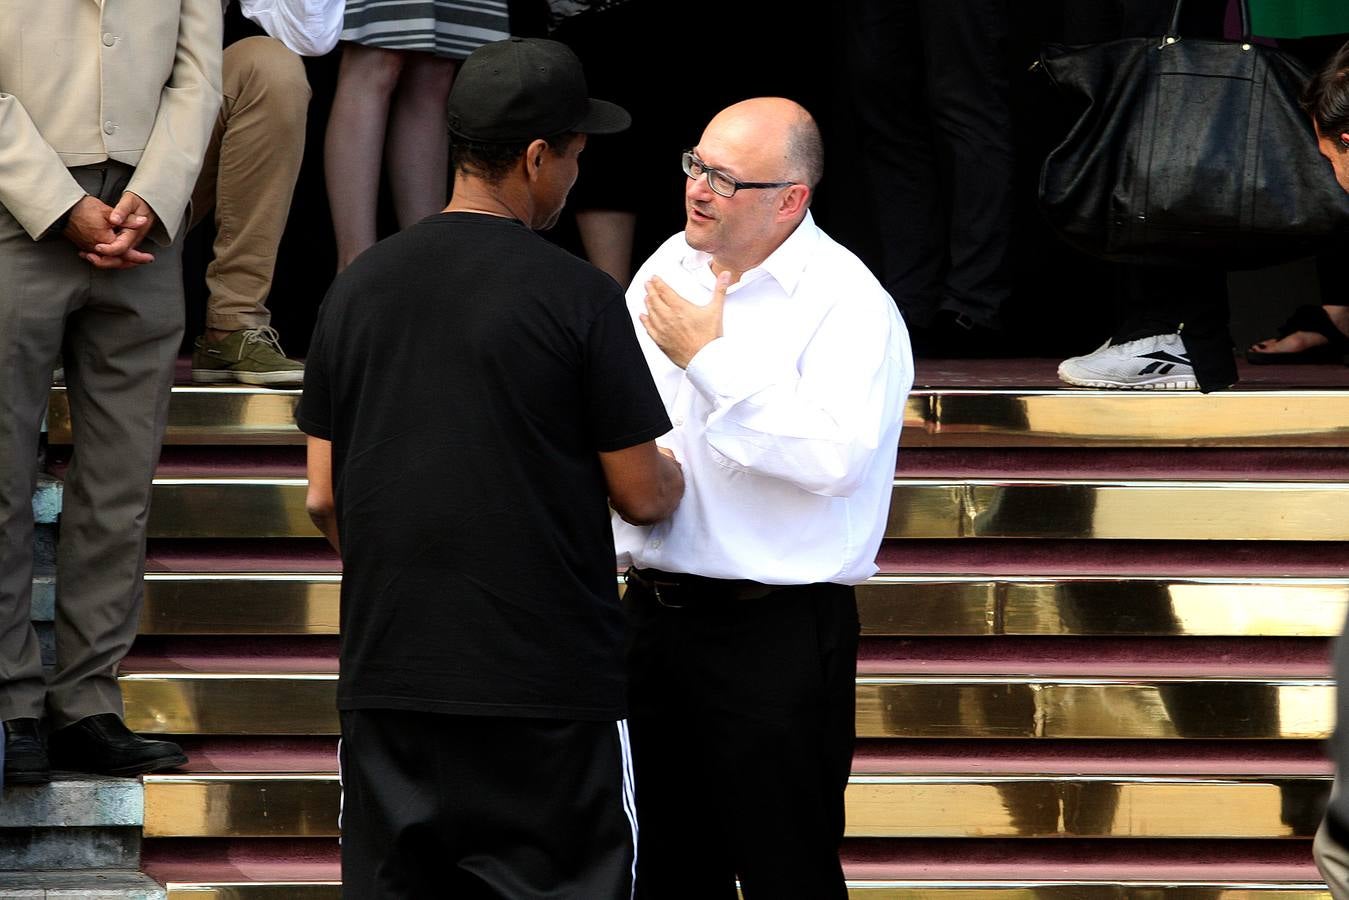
x=473 y=395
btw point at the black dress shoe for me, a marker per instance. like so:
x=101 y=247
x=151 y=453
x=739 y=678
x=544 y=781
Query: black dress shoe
x=103 y=745
x=25 y=753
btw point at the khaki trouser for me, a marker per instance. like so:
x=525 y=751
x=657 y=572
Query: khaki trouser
x=119 y=332
x=249 y=177
x=1333 y=860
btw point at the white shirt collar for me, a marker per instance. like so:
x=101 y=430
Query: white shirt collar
x=785 y=264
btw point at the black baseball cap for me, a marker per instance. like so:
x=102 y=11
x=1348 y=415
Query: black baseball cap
x=525 y=88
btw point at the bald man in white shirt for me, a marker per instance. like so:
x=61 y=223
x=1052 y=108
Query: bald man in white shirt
x=784 y=366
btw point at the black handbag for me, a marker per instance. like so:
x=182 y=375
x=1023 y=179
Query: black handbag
x=1189 y=152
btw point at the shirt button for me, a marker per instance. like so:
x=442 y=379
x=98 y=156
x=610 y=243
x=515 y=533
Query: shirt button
x=109 y=127
x=109 y=39
x=655 y=545
x=679 y=420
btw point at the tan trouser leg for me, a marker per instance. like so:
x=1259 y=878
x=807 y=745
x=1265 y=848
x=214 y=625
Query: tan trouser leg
x=249 y=177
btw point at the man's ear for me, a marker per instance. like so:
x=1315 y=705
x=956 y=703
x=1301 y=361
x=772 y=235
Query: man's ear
x=794 y=201
x=533 y=158
x=1344 y=140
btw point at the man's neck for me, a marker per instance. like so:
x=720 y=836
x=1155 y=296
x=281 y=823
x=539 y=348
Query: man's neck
x=474 y=195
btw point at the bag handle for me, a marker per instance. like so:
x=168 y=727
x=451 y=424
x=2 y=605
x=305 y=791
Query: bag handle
x=1242 y=5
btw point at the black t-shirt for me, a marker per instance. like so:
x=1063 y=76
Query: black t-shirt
x=467 y=372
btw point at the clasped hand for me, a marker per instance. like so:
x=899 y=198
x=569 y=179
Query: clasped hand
x=109 y=237
x=680 y=328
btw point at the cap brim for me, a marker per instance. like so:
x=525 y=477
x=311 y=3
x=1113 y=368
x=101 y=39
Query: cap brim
x=603 y=117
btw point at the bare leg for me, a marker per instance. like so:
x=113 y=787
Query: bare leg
x=419 y=144
x=353 y=146
x=606 y=235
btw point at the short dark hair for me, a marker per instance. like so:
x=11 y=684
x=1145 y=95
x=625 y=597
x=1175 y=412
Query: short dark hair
x=805 y=150
x=1327 y=96
x=491 y=161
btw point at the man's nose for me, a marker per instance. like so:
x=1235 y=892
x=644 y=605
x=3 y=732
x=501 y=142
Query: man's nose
x=697 y=188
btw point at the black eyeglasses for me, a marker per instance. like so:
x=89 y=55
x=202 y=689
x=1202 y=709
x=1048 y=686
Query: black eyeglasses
x=719 y=181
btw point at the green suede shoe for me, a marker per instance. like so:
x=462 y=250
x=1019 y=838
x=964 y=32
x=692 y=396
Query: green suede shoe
x=250 y=356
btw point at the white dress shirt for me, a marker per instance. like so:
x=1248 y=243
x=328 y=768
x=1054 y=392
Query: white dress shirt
x=307 y=27
x=787 y=426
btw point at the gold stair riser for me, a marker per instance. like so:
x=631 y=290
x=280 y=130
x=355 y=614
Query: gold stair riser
x=992 y=418
x=215 y=415
x=887 y=707
x=936 y=418
x=1133 y=510
x=259 y=508
x=877 y=807
x=229 y=508
x=210 y=604
x=1006 y=708
x=915 y=606
x=889 y=606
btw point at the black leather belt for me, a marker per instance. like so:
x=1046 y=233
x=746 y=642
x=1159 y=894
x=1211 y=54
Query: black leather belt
x=679 y=591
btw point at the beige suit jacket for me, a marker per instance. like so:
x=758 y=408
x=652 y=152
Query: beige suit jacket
x=83 y=81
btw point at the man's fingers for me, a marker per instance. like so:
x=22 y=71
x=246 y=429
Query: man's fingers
x=119 y=245
x=128 y=206
x=719 y=292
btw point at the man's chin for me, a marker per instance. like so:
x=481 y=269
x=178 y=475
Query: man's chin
x=696 y=233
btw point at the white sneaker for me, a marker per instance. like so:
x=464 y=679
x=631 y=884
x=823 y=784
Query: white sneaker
x=1157 y=363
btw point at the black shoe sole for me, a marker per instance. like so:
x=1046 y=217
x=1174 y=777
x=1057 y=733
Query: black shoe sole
x=29 y=777
x=145 y=767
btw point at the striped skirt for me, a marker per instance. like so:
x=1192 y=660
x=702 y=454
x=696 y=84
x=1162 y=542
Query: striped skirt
x=453 y=28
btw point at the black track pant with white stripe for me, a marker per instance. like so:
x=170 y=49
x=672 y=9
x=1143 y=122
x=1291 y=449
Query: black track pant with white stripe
x=445 y=807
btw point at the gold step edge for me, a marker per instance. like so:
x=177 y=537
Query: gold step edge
x=902 y=481
x=867 y=680
x=924 y=779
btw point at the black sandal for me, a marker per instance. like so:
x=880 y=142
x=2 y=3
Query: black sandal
x=1306 y=318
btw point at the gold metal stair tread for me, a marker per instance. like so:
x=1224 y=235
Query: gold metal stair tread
x=917 y=605
x=306 y=805
x=949 y=417
x=887 y=706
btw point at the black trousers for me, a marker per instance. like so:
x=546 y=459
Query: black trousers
x=1159 y=299
x=742 y=728
x=931 y=91
x=442 y=807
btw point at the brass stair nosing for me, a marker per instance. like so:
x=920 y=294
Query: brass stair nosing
x=877 y=889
